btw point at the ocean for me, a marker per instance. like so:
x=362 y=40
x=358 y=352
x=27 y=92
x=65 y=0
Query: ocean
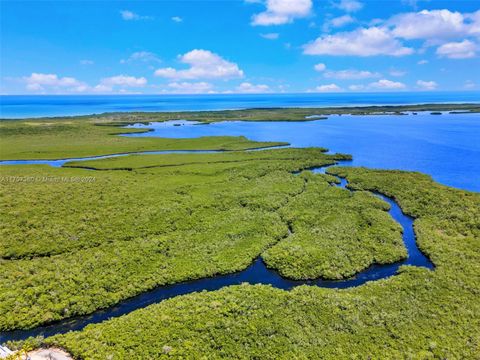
x=21 y=106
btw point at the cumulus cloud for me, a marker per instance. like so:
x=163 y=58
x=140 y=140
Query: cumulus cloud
x=203 y=64
x=86 y=62
x=350 y=5
x=422 y=62
x=440 y=27
x=143 y=56
x=360 y=42
x=427 y=85
x=190 y=88
x=270 y=36
x=280 y=12
x=131 y=16
x=397 y=73
x=52 y=82
x=429 y=24
x=249 y=88
x=327 y=88
x=385 y=84
x=350 y=74
x=474 y=23
x=455 y=34
x=458 y=50
x=177 y=19
x=123 y=81
x=341 y=21
x=320 y=67
x=356 y=87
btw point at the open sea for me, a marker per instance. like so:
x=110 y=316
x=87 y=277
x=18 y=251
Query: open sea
x=21 y=106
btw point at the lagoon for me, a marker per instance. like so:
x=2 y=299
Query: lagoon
x=447 y=147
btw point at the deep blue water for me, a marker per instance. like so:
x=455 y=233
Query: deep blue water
x=19 y=106
x=447 y=146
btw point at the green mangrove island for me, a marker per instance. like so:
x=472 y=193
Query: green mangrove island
x=70 y=247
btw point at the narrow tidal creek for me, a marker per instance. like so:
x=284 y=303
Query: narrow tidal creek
x=256 y=273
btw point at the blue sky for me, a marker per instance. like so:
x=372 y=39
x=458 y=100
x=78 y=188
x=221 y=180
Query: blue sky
x=103 y=47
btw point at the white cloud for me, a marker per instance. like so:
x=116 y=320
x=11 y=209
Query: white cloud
x=327 y=88
x=474 y=22
x=426 y=24
x=360 y=42
x=270 y=36
x=130 y=15
x=86 y=62
x=397 y=73
x=385 y=84
x=350 y=5
x=427 y=85
x=357 y=87
x=102 y=89
x=320 y=67
x=189 y=88
x=350 y=74
x=177 y=19
x=144 y=56
x=469 y=84
x=458 y=50
x=422 y=62
x=34 y=87
x=52 y=82
x=203 y=64
x=280 y=12
x=341 y=21
x=124 y=81
x=250 y=88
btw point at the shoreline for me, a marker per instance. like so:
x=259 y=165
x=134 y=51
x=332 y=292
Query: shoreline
x=466 y=107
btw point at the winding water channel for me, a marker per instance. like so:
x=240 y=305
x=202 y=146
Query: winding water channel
x=256 y=273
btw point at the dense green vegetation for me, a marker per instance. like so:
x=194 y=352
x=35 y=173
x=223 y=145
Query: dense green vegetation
x=70 y=248
x=336 y=234
x=418 y=314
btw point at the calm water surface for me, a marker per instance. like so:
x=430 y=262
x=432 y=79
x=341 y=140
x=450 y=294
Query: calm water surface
x=447 y=146
x=20 y=106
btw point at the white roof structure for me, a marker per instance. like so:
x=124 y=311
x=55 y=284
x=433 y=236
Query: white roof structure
x=4 y=352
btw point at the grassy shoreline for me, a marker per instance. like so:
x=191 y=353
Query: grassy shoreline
x=96 y=135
